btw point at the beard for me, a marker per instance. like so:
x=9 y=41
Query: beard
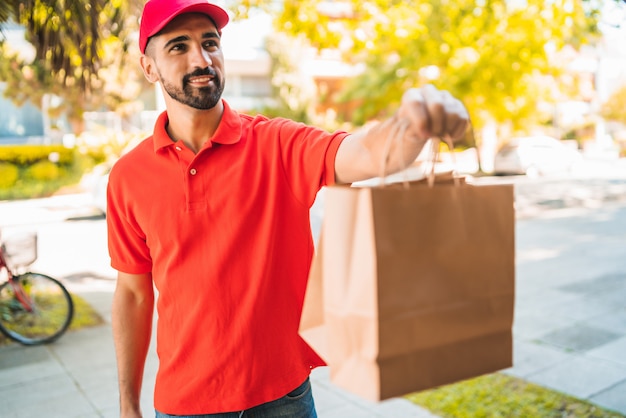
x=202 y=98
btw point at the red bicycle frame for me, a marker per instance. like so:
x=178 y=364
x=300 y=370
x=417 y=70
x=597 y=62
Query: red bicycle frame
x=20 y=294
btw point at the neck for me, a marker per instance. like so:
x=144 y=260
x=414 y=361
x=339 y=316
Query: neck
x=192 y=126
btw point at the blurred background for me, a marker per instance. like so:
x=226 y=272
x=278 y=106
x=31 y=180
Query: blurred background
x=544 y=81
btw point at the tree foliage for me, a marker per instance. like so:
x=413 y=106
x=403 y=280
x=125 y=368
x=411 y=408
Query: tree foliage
x=614 y=109
x=68 y=36
x=80 y=46
x=493 y=54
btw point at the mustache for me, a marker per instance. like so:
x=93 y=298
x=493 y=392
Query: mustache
x=200 y=72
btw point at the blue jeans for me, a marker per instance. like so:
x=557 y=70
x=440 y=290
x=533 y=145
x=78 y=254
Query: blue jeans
x=296 y=404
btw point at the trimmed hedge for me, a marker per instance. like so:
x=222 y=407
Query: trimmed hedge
x=44 y=171
x=31 y=171
x=30 y=154
x=9 y=173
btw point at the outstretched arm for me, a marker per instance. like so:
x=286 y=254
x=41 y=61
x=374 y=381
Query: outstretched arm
x=133 y=304
x=424 y=113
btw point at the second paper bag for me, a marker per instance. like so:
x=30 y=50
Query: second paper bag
x=412 y=288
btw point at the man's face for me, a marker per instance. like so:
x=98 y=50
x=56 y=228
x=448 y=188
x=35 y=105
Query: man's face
x=187 y=58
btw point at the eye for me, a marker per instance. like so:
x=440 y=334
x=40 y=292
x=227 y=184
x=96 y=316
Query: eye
x=178 y=47
x=211 y=44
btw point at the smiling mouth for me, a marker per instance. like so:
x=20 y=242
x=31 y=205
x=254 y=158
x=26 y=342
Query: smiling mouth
x=201 y=80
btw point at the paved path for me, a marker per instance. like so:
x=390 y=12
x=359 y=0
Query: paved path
x=570 y=317
x=570 y=326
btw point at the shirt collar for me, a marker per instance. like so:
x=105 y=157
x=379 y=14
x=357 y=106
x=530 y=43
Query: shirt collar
x=228 y=131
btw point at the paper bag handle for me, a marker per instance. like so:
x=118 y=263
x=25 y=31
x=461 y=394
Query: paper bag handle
x=397 y=132
x=436 y=142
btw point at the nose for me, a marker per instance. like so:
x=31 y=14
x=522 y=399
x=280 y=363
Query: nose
x=200 y=58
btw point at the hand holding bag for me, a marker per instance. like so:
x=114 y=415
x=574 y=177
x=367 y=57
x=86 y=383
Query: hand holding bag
x=412 y=286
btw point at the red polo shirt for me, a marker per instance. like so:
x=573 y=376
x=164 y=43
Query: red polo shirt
x=226 y=235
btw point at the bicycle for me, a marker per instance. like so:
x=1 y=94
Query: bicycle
x=34 y=308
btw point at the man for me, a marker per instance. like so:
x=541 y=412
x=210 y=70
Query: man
x=213 y=210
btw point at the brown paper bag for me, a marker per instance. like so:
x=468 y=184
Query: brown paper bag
x=412 y=288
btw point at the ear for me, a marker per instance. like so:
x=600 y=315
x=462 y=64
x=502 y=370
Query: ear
x=149 y=68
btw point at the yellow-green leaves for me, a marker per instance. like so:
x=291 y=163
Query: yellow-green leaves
x=491 y=53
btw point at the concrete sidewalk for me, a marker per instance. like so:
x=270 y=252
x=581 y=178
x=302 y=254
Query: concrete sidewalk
x=570 y=322
x=570 y=315
x=76 y=377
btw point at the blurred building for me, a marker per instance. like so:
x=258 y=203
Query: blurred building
x=19 y=124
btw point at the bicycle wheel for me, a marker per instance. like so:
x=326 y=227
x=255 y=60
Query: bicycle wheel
x=34 y=309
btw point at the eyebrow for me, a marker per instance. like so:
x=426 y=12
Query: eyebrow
x=182 y=38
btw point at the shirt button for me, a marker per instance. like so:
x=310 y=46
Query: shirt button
x=193 y=171
x=179 y=149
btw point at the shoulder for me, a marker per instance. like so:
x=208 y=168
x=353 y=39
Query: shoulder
x=278 y=126
x=134 y=156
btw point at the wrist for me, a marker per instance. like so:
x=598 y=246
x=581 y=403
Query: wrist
x=130 y=406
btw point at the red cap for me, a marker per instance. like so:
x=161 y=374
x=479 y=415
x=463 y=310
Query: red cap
x=158 y=13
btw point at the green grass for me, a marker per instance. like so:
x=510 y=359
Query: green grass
x=503 y=396
x=84 y=316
